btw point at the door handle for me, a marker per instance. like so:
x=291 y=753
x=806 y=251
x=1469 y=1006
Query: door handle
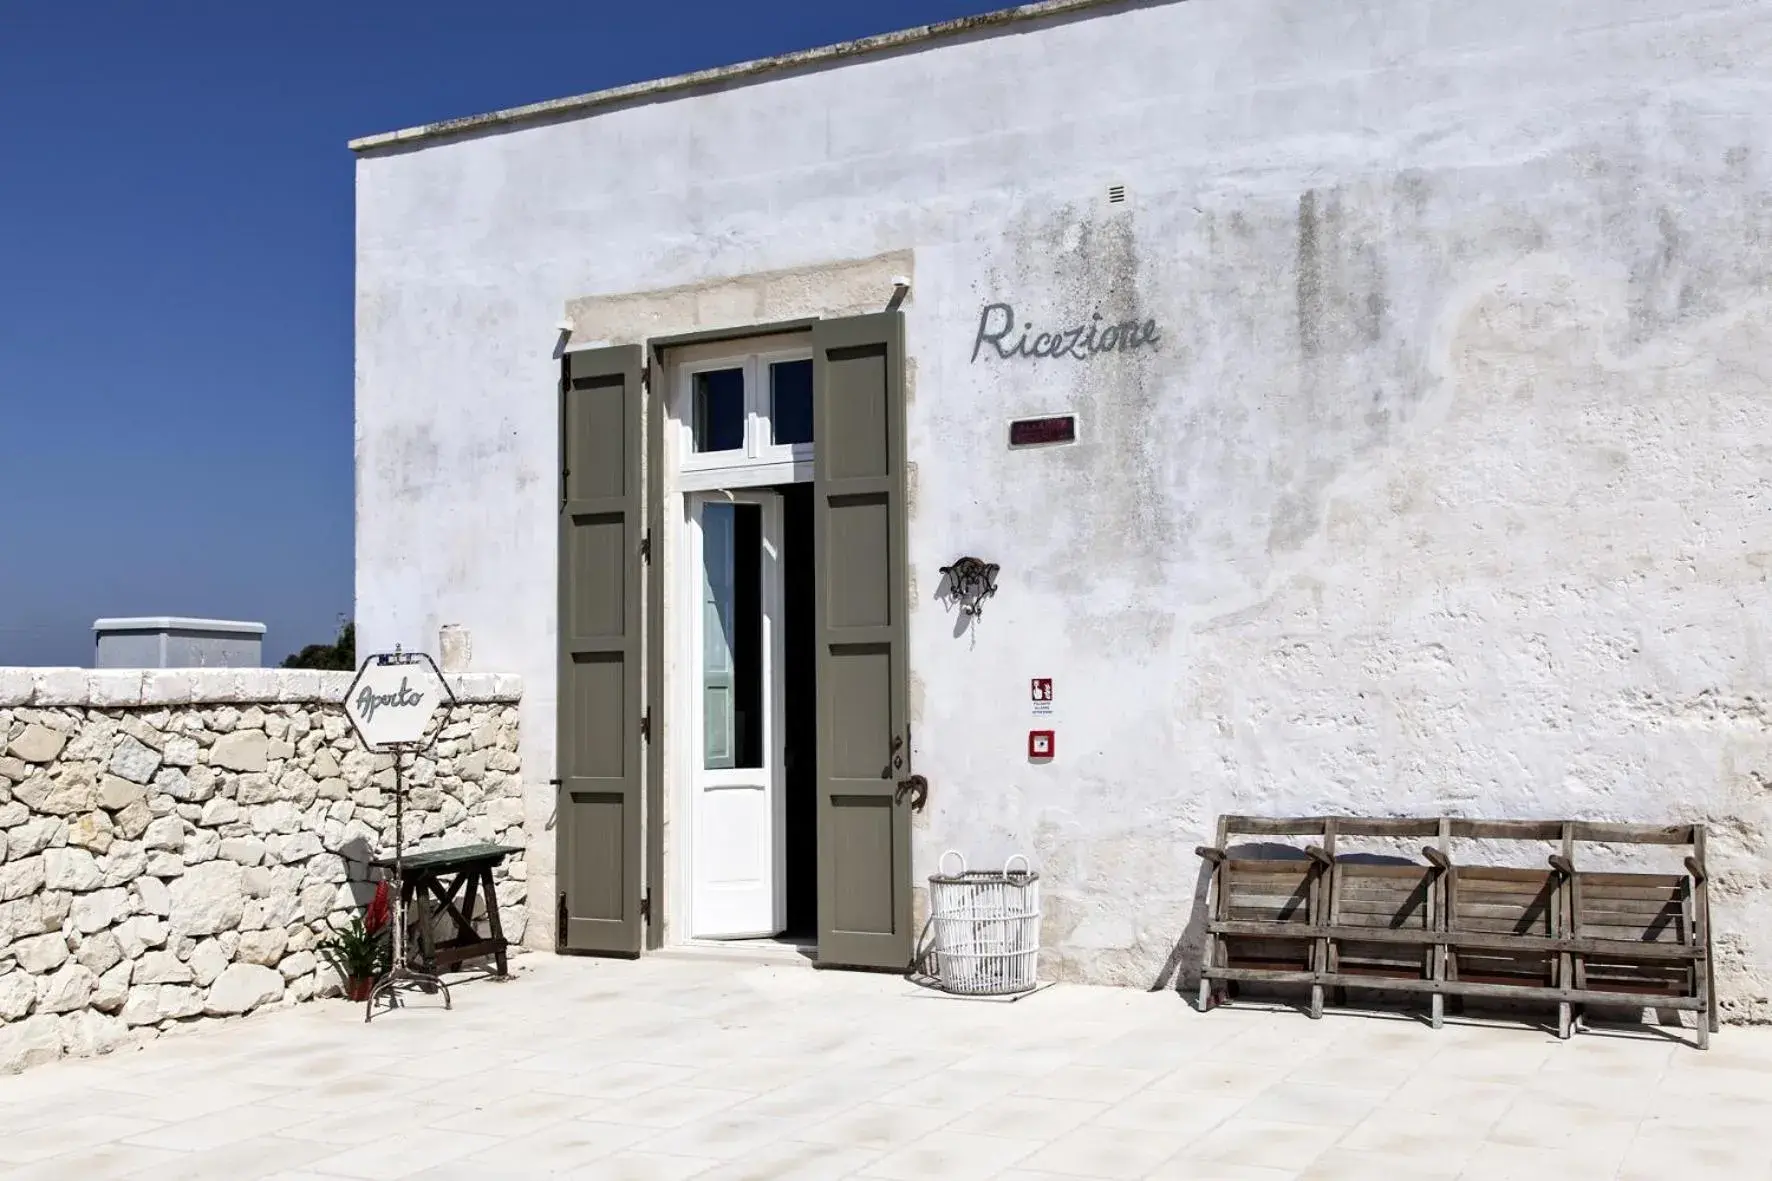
x=916 y=787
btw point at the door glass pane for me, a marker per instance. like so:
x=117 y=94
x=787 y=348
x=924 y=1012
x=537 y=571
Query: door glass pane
x=718 y=412
x=732 y=636
x=790 y=401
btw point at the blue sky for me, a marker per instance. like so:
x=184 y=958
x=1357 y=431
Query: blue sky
x=175 y=271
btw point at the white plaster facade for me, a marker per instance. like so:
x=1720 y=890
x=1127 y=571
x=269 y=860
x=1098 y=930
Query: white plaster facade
x=1443 y=489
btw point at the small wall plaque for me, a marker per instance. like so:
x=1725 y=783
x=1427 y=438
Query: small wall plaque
x=1043 y=432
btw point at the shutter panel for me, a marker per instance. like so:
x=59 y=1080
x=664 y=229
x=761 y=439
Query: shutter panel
x=864 y=860
x=599 y=694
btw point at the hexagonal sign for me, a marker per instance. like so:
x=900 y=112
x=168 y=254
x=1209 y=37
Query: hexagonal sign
x=394 y=697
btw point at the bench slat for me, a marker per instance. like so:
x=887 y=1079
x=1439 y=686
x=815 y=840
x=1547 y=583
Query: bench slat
x=1452 y=988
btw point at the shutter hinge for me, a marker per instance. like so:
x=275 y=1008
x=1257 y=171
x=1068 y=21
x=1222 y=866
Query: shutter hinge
x=646 y=725
x=646 y=547
x=646 y=376
x=646 y=908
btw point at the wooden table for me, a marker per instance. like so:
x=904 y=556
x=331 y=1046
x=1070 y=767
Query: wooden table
x=443 y=874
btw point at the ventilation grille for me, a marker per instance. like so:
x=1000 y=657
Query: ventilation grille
x=1116 y=194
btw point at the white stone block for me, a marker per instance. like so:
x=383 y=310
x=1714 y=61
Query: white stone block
x=168 y=832
x=207 y=899
x=112 y=687
x=116 y=793
x=161 y=967
x=113 y=987
x=41 y=953
x=138 y=933
x=17 y=686
x=298 y=686
x=166 y=687
x=69 y=989
x=208 y=961
x=264 y=947
x=178 y=1000
x=334 y=686
x=38 y=744
x=153 y=896
x=93 y=912
x=58 y=686
x=87 y=1034
x=213 y=685
x=181 y=751
x=470 y=688
x=21 y=879
x=242 y=750
x=71 y=869
x=31 y=1042
x=18 y=994
x=100 y=953
x=242 y=988
x=134 y=760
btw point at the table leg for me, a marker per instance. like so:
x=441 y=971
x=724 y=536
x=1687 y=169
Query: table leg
x=493 y=927
x=427 y=938
x=466 y=919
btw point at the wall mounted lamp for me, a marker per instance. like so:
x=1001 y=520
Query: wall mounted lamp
x=970 y=583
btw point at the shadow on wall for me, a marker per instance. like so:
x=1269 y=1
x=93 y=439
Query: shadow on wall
x=1181 y=971
x=963 y=589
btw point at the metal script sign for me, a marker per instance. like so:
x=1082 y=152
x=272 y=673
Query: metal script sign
x=1002 y=336
x=394 y=698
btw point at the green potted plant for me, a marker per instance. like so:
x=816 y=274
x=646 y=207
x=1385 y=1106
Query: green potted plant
x=359 y=952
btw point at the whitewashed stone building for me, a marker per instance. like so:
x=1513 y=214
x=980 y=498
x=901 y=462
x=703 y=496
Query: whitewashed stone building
x=1400 y=382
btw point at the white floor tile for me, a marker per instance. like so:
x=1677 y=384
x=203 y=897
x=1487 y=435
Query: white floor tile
x=1095 y=1151
x=952 y=1154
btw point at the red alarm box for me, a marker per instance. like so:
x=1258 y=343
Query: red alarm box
x=1041 y=744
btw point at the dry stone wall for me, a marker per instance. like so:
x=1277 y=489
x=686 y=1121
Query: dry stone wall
x=175 y=844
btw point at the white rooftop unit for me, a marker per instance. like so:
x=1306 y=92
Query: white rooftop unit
x=167 y=641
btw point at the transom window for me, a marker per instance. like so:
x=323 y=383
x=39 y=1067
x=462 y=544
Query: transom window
x=746 y=417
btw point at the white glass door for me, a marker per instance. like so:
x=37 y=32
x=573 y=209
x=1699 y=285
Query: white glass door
x=735 y=854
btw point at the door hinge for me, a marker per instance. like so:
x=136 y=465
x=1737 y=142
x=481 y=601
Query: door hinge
x=646 y=547
x=560 y=919
x=646 y=908
x=646 y=725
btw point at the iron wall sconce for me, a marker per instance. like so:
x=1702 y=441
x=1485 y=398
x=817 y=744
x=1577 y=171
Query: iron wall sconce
x=971 y=582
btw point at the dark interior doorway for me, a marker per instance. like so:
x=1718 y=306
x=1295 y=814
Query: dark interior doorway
x=800 y=723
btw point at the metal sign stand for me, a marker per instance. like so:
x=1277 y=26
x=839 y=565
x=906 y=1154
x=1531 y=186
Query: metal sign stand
x=400 y=971
x=401 y=974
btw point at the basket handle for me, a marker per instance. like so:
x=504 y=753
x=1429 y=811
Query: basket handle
x=941 y=867
x=1027 y=866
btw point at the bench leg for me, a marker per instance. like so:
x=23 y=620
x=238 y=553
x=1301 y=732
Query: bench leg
x=1439 y=1012
x=1316 y=1002
x=1565 y=1020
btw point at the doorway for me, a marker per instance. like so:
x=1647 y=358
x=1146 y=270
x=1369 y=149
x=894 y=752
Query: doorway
x=752 y=774
x=747 y=700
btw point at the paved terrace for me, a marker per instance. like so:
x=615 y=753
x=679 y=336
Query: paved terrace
x=673 y=1068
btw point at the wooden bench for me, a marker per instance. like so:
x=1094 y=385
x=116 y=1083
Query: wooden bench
x=1325 y=919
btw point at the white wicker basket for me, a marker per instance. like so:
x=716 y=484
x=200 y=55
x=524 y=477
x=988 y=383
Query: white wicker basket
x=987 y=927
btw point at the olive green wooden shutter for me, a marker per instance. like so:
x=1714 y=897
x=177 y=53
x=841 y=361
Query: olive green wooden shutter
x=598 y=753
x=864 y=859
